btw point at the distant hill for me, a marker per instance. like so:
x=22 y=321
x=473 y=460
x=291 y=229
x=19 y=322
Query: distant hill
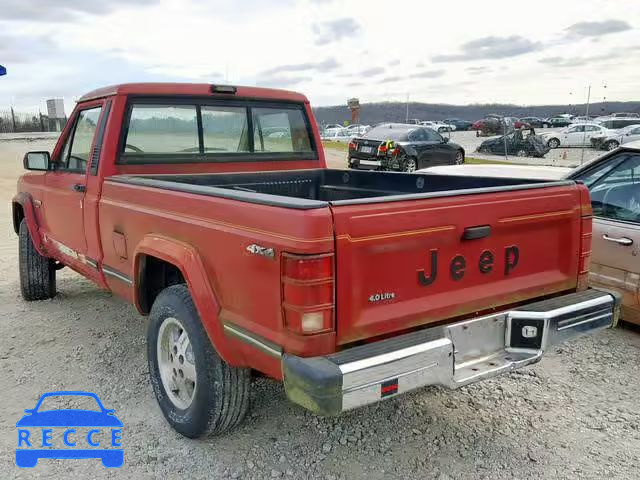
x=372 y=113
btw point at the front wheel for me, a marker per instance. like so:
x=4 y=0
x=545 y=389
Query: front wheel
x=198 y=392
x=611 y=145
x=521 y=153
x=37 y=273
x=553 y=143
x=459 y=159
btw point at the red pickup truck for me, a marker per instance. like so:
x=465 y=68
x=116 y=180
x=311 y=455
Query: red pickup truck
x=210 y=208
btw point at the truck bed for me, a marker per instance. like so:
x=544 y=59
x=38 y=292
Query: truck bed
x=306 y=189
x=410 y=249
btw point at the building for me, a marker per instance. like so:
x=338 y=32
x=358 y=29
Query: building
x=55 y=108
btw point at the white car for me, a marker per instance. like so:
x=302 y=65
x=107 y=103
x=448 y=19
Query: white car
x=438 y=126
x=356 y=129
x=615 y=138
x=574 y=135
x=334 y=135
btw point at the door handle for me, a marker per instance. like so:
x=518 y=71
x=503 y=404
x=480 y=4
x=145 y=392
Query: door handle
x=621 y=241
x=78 y=187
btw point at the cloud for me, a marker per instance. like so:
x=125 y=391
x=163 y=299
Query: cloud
x=335 y=30
x=596 y=29
x=477 y=70
x=324 y=66
x=283 y=82
x=428 y=74
x=577 y=61
x=20 y=49
x=369 y=72
x=62 y=10
x=491 y=48
x=391 y=79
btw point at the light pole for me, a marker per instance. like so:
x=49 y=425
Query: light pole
x=586 y=115
x=406 y=120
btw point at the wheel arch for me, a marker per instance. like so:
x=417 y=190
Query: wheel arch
x=22 y=209
x=179 y=262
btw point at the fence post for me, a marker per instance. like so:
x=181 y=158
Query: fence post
x=13 y=120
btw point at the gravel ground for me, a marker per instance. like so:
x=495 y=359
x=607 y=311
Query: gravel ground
x=574 y=415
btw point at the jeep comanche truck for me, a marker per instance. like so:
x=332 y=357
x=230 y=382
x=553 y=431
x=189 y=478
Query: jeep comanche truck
x=211 y=209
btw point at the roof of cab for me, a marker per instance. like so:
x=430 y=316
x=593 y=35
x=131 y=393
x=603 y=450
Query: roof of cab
x=190 y=89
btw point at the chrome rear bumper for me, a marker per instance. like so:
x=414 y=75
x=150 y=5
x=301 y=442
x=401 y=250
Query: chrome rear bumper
x=451 y=355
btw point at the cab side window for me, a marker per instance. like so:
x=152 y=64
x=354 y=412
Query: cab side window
x=77 y=149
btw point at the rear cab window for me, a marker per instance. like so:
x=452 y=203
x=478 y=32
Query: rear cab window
x=183 y=131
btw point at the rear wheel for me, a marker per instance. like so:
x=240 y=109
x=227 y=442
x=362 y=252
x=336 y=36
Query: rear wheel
x=459 y=159
x=553 y=143
x=409 y=165
x=521 y=153
x=198 y=392
x=611 y=145
x=37 y=273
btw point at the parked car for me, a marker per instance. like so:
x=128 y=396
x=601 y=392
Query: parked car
x=403 y=147
x=574 y=135
x=521 y=142
x=439 y=127
x=341 y=135
x=249 y=255
x=461 y=125
x=332 y=126
x=536 y=122
x=614 y=184
x=357 y=129
x=559 y=121
x=493 y=125
x=615 y=138
x=617 y=123
x=625 y=115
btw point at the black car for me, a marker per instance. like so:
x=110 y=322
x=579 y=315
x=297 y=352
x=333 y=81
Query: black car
x=461 y=125
x=559 y=121
x=407 y=148
x=536 y=122
x=522 y=142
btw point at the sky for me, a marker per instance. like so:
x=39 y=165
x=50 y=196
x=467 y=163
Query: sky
x=457 y=52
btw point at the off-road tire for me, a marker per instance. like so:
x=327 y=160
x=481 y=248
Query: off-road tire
x=221 y=397
x=37 y=273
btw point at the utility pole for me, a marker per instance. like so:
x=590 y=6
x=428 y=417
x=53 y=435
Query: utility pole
x=406 y=120
x=584 y=134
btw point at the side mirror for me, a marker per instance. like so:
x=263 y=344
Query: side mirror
x=37 y=161
x=445 y=139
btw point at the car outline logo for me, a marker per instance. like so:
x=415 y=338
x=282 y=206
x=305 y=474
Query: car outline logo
x=65 y=418
x=529 y=331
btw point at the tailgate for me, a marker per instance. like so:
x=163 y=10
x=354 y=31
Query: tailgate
x=407 y=263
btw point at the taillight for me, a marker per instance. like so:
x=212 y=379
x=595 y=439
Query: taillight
x=308 y=292
x=353 y=146
x=586 y=215
x=382 y=149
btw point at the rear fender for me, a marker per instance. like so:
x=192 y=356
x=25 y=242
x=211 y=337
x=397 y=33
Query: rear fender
x=23 y=201
x=186 y=258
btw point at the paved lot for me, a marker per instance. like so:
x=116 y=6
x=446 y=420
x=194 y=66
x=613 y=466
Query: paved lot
x=573 y=416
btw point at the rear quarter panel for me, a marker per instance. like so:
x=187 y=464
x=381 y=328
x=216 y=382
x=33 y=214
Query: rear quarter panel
x=246 y=286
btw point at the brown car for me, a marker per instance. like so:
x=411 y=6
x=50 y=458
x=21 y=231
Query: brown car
x=614 y=183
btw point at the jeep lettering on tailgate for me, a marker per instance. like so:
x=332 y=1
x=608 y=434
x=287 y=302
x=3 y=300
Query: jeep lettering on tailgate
x=458 y=264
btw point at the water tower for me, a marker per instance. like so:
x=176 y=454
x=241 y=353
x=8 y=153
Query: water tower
x=354 y=106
